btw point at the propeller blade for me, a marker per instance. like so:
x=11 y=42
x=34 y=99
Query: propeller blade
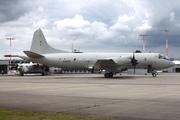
x=134 y=62
x=134 y=69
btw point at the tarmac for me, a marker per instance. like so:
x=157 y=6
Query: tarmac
x=125 y=97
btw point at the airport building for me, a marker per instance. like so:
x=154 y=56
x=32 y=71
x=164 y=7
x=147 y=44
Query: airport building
x=7 y=65
x=4 y=64
x=176 y=68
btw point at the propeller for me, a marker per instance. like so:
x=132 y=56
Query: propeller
x=134 y=62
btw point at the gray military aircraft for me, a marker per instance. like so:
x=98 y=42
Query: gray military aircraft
x=111 y=63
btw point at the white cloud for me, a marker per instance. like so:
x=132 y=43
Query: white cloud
x=40 y=23
x=125 y=19
x=40 y=9
x=120 y=27
x=172 y=16
x=144 y=27
x=76 y=22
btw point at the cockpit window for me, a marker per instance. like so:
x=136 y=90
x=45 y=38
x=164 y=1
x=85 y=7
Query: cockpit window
x=160 y=56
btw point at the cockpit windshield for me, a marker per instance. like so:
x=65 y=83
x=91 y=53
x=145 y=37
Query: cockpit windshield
x=160 y=56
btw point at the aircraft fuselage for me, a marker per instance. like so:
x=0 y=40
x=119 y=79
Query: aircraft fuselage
x=88 y=60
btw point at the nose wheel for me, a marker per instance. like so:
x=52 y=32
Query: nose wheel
x=154 y=74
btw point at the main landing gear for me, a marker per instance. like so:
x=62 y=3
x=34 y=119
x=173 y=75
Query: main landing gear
x=108 y=75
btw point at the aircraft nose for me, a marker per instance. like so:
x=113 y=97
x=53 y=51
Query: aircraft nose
x=171 y=63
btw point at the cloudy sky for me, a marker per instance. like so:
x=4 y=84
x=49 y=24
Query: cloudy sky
x=91 y=25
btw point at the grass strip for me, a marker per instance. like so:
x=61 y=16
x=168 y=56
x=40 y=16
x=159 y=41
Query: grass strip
x=10 y=114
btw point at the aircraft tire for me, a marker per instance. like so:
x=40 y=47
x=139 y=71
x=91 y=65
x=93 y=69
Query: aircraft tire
x=154 y=74
x=110 y=74
x=107 y=75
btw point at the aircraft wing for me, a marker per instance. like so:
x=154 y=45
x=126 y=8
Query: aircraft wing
x=105 y=63
x=33 y=54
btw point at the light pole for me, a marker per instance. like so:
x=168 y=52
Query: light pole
x=143 y=41
x=10 y=53
x=166 y=42
x=166 y=45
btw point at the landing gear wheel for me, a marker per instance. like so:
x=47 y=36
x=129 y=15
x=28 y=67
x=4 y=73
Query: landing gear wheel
x=107 y=75
x=110 y=74
x=154 y=74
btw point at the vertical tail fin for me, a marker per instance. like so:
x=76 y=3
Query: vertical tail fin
x=39 y=44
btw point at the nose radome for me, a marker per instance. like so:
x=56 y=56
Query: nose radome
x=172 y=63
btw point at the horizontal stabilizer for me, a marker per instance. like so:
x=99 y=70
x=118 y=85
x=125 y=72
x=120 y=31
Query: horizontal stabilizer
x=33 y=54
x=11 y=56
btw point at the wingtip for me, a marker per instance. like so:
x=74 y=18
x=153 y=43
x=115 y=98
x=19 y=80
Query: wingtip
x=7 y=55
x=11 y=55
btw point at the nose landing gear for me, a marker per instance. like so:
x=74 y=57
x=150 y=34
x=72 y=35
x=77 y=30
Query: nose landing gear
x=154 y=73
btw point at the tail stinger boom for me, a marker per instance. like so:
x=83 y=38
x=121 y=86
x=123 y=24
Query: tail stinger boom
x=39 y=44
